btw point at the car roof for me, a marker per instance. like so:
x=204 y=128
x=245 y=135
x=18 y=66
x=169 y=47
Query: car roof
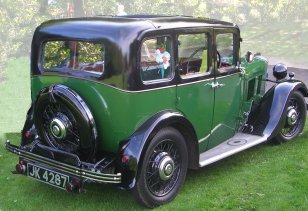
x=116 y=28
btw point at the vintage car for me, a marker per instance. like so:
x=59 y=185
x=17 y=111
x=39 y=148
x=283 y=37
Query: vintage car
x=137 y=100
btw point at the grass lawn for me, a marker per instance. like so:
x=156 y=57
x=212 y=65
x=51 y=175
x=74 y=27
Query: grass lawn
x=266 y=177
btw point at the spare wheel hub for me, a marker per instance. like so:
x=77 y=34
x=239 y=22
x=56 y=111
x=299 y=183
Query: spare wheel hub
x=58 y=128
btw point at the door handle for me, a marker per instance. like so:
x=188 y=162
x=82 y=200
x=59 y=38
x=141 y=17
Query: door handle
x=214 y=85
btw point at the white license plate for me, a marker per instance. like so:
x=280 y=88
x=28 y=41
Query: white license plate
x=47 y=176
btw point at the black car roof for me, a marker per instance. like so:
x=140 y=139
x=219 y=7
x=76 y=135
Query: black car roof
x=115 y=28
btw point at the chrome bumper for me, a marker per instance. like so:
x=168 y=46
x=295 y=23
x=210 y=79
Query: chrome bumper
x=90 y=175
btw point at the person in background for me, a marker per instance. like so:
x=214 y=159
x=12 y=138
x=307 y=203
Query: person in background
x=121 y=11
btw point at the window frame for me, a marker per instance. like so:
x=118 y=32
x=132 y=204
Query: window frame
x=236 y=48
x=65 y=70
x=207 y=37
x=196 y=30
x=172 y=69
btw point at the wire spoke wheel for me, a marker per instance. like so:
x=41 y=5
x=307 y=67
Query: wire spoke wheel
x=63 y=121
x=163 y=169
x=61 y=127
x=294 y=119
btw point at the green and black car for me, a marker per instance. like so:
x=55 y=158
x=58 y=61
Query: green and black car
x=138 y=100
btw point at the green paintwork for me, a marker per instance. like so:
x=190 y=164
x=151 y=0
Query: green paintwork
x=255 y=70
x=117 y=113
x=196 y=102
x=226 y=109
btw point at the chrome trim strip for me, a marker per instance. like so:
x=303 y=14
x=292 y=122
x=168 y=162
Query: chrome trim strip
x=109 y=86
x=65 y=168
x=140 y=91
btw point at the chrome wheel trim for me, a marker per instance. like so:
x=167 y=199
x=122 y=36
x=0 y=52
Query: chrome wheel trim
x=166 y=168
x=58 y=128
x=292 y=116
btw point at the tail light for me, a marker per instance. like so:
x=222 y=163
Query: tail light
x=74 y=186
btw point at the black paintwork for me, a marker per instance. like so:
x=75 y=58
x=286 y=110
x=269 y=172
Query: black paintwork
x=28 y=128
x=121 y=37
x=56 y=154
x=266 y=117
x=135 y=146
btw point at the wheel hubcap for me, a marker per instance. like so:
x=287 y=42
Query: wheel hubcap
x=292 y=117
x=58 y=128
x=166 y=168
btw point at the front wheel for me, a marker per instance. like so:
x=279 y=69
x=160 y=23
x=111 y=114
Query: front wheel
x=294 y=120
x=163 y=169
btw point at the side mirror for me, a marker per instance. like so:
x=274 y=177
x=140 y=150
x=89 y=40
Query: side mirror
x=249 y=56
x=280 y=71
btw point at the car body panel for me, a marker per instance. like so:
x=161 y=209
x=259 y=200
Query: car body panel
x=195 y=102
x=226 y=109
x=114 y=110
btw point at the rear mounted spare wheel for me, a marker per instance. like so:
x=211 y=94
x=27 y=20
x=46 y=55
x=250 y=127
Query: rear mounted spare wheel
x=64 y=121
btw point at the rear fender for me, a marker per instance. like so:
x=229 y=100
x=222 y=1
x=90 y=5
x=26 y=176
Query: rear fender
x=132 y=150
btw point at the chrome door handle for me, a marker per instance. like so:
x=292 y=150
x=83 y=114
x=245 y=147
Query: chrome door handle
x=214 y=85
x=220 y=85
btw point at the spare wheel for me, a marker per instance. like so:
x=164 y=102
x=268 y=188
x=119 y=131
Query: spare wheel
x=64 y=121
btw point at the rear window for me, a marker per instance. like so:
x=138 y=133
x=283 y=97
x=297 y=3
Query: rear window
x=74 y=55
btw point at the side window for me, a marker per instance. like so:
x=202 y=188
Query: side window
x=225 y=51
x=193 y=55
x=155 y=59
x=75 y=55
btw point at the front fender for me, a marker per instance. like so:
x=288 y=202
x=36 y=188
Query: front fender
x=266 y=119
x=130 y=153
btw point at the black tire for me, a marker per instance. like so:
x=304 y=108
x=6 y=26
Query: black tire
x=59 y=107
x=296 y=106
x=155 y=187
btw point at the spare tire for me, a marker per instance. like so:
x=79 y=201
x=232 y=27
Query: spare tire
x=64 y=121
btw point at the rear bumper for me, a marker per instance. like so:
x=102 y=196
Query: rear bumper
x=84 y=171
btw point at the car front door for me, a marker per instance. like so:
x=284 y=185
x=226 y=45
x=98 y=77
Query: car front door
x=195 y=96
x=227 y=86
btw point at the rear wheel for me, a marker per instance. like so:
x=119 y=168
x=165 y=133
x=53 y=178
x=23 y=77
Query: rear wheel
x=294 y=120
x=163 y=169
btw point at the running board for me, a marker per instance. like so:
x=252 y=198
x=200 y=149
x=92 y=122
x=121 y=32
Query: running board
x=238 y=143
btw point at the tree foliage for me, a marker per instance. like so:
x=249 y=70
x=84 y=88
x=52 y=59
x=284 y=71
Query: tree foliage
x=19 y=18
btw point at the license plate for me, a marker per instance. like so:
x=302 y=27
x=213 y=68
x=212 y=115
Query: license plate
x=47 y=176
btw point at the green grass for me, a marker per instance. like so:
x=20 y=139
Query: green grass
x=266 y=177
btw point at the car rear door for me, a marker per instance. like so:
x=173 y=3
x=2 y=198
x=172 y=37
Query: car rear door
x=195 y=95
